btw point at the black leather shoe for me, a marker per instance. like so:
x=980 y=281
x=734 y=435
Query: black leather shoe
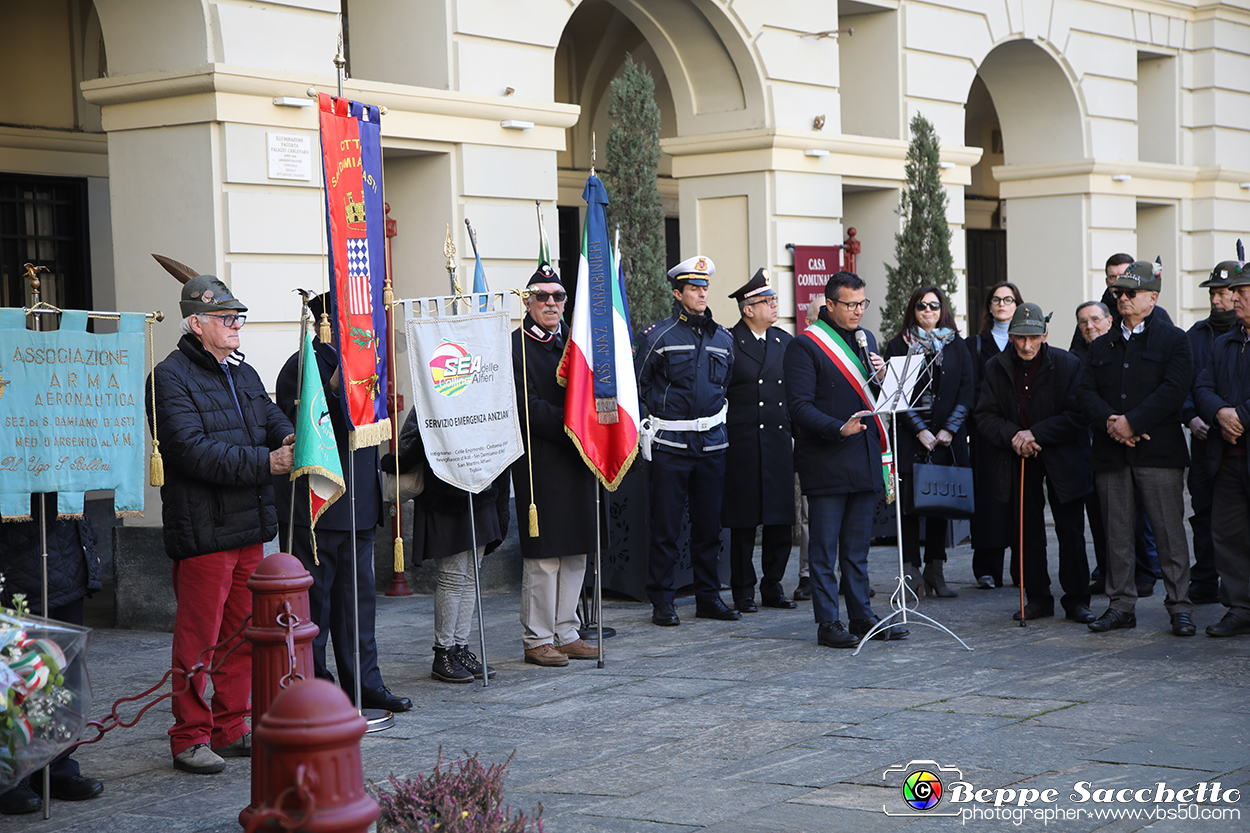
x=1145 y=588
x=1183 y=625
x=803 y=593
x=1034 y=610
x=1203 y=594
x=1113 y=620
x=382 y=698
x=1230 y=625
x=833 y=635
x=664 y=614
x=859 y=627
x=75 y=788
x=20 y=801
x=743 y=606
x=1080 y=614
x=779 y=602
x=715 y=608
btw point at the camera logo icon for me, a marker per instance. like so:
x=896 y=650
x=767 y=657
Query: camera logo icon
x=920 y=785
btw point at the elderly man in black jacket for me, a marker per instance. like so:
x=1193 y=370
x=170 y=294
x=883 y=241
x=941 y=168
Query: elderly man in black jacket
x=222 y=439
x=554 y=563
x=1134 y=384
x=1222 y=396
x=1028 y=412
x=760 y=460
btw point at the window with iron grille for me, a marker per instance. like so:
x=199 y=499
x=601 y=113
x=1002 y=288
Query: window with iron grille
x=43 y=220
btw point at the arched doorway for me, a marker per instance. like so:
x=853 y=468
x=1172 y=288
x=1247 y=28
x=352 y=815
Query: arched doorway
x=707 y=82
x=1023 y=110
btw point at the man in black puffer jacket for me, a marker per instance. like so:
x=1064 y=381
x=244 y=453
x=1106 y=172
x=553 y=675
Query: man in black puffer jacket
x=222 y=438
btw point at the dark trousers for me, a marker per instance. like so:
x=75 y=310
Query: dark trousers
x=1229 y=536
x=988 y=561
x=1069 y=529
x=841 y=530
x=1146 y=570
x=330 y=602
x=1201 y=497
x=676 y=479
x=774 y=556
x=1162 y=495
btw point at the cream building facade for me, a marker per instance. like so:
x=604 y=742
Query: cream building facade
x=1071 y=129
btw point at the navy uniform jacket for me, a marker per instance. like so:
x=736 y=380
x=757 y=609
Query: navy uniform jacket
x=1150 y=392
x=1224 y=383
x=683 y=365
x=820 y=401
x=759 y=486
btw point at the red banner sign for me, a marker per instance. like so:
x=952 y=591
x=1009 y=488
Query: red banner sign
x=813 y=266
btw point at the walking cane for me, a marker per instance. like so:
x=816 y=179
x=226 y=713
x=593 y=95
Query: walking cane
x=1020 y=551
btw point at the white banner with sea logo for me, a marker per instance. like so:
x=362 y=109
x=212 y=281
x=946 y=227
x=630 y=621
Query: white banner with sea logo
x=463 y=392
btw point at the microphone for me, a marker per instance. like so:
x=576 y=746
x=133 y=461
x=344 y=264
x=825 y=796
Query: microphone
x=861 y=341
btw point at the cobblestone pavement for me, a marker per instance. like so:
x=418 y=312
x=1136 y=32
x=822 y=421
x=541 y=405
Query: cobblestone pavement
x=750 y=726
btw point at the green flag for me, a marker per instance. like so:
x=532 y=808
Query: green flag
x=316 y=450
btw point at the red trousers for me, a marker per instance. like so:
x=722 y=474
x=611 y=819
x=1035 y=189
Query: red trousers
x=213 y=601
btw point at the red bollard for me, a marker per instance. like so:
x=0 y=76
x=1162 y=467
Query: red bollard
x=314 y=781
x=281 y=632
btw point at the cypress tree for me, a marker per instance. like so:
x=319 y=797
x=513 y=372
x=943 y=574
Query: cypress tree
x=922 y=250
x=633 y=161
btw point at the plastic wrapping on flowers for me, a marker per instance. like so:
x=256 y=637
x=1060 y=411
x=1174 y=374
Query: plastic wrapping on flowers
x=45 y=693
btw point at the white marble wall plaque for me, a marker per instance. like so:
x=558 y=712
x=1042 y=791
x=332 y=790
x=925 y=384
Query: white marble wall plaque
x=290 y=156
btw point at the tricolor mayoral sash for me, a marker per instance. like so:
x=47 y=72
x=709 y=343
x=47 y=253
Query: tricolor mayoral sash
x=849 y=365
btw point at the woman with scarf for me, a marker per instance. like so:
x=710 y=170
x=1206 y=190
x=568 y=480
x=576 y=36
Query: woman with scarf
x=936 y=432
x=992 y=529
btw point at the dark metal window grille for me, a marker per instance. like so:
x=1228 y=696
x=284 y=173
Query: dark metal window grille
x=43 y=220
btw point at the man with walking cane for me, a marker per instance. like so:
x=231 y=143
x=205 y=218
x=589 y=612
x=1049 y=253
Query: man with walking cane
x=559 y=484
x=1028 y=412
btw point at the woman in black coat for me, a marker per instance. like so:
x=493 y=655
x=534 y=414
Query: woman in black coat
x=992 y=524
x=938 y=432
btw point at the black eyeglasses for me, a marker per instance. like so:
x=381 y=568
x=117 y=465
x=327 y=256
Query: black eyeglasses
x=542 y=297
x=1003 y=301
x=855 y=306
x=230 y=320
x=932 y=306
x=772 y=302
x=1127 y=293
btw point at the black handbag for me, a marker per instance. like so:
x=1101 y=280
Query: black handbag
x=939 y=491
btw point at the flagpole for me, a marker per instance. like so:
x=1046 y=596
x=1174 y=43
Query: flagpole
x=304 y=314
x=598 y=580
x=477 y=594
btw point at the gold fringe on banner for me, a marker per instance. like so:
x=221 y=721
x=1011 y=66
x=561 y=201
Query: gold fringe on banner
x=398 y=565
x=323 y=332
x=367 y=436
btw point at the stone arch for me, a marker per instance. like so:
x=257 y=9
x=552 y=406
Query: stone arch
x=154 y=35
x=713 y=79
x=1038 y=103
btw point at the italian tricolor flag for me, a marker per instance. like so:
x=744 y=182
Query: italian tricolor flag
x=601 y=397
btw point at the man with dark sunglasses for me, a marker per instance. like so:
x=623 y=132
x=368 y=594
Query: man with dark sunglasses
x=1132 y=391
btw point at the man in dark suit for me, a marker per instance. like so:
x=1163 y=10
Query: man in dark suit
x=1132 y=389
x=330 y=597
x=759 y=464
x=554 y=562
x=1028 y=412
x=838 y=453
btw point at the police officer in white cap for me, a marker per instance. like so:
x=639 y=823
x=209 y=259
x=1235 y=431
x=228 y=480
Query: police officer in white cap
x=684 y=365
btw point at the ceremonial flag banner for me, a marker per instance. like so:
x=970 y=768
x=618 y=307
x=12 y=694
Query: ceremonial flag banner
x=463 y=393
x=71 y=413
x=351 y=148
x=316 y=450
x=601 y=394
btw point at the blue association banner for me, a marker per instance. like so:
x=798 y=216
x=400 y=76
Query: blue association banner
x=71 y=413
